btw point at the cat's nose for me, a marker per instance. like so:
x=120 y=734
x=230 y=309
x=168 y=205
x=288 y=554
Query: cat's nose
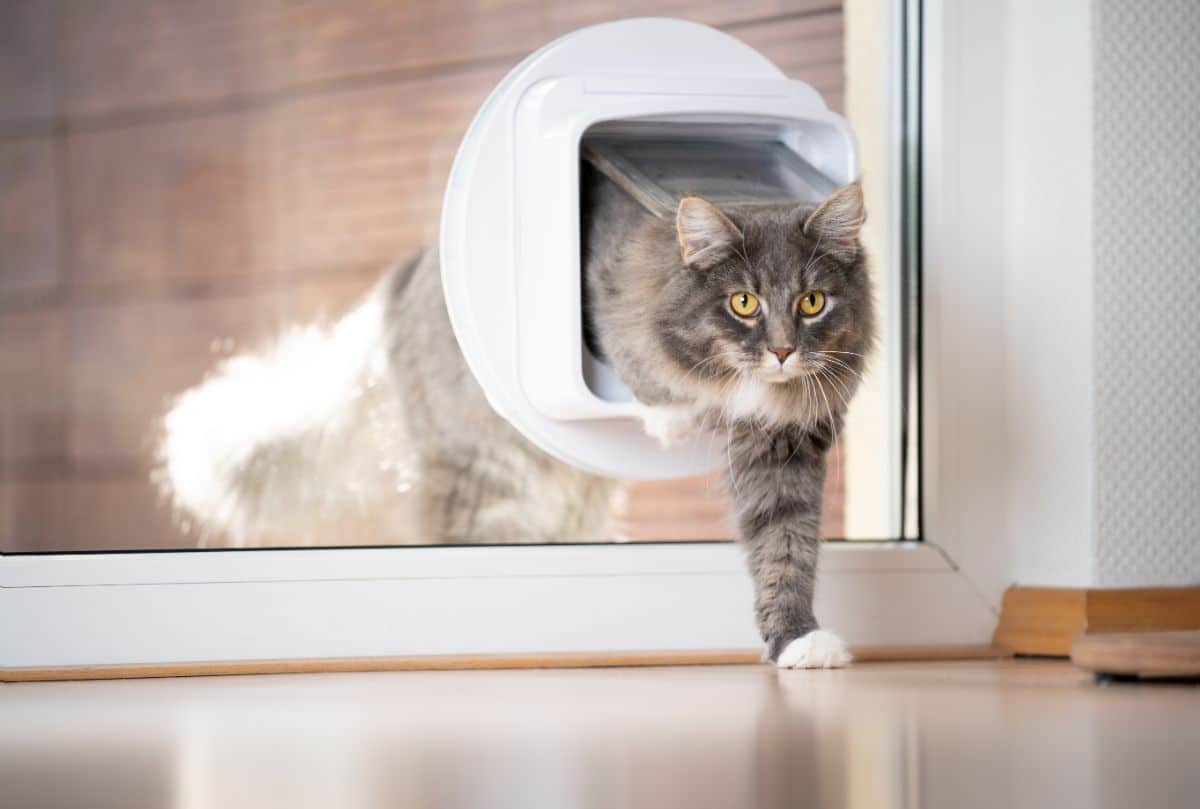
x=782 y=353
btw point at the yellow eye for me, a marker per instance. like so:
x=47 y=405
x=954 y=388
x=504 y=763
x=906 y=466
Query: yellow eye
x=744 y=304
x=812 y=302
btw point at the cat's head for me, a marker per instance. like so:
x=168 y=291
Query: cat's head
x=776 y=294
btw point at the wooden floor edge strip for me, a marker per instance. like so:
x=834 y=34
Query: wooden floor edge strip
x=867 y=654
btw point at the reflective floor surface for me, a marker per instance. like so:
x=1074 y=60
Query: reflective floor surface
x=973 y=734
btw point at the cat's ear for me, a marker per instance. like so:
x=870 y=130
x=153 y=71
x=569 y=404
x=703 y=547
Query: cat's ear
x=837 y=221
x=706 y=236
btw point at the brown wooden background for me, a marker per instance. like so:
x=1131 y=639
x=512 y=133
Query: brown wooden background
x=178 y=178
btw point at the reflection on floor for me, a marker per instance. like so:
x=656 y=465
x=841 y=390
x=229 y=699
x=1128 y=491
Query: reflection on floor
x=974 y=734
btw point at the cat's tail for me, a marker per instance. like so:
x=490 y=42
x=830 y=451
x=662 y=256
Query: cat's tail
x=281 y=445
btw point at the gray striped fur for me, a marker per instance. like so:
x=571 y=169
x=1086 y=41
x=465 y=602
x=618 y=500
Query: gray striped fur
x=667 y=328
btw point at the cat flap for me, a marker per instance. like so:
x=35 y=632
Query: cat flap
x=666 y=109
x=739 y=166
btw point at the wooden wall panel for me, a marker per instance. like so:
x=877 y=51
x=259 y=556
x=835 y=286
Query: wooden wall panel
x=28 y=220
x=807 y=48
x=28 y=69
x=121 y=54
x=330 y=183
x=128 y=360
x=84 y=514
x=169 y=202
x=699 y=508
x=833 y=497
x=675 y=510
x=34 y=390
x=360 y=174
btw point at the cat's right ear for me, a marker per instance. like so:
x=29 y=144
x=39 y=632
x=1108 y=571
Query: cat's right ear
x=706 y=236
x=837 y=221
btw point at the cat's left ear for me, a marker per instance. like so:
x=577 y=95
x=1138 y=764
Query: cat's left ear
x=706 y=236
x=837 y=222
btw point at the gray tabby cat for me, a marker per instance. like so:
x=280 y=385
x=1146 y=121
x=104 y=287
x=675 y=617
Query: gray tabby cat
x=753 y=322
x=371 y=432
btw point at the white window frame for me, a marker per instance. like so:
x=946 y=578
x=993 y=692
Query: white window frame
x=227 y=606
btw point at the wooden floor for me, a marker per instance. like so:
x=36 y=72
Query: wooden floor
x=972 y=734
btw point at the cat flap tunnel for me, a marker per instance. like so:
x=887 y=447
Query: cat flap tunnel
x=663 y=108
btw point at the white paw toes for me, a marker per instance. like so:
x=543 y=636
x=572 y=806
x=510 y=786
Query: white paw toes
x=819 y=649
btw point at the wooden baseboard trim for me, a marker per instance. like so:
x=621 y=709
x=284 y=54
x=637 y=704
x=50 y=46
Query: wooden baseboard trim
x=1045 y=620
x=1146 y=655
x=870 y=654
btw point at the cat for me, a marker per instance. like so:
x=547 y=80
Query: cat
x=756 y=321
x=752 y=322
x=373 y=429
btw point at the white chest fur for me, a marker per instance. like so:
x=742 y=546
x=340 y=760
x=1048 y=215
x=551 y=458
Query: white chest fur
x=751 y=398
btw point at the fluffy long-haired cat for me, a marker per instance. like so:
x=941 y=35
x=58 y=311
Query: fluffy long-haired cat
x=753 y=322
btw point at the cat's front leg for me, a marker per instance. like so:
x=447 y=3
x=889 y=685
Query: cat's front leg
x=777 y=477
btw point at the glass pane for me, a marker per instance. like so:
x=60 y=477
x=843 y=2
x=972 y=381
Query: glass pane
x=197 y=199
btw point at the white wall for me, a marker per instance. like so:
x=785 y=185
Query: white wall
x=1047 y=286
x=1146 y=232
x=1062 y=217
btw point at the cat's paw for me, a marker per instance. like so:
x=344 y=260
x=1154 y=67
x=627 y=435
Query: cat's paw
x=669 y=425
x=819 y=649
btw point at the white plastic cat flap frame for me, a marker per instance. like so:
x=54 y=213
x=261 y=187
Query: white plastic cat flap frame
x=510 y=247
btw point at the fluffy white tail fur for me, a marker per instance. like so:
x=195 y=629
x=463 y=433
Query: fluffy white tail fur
x=277 y=446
